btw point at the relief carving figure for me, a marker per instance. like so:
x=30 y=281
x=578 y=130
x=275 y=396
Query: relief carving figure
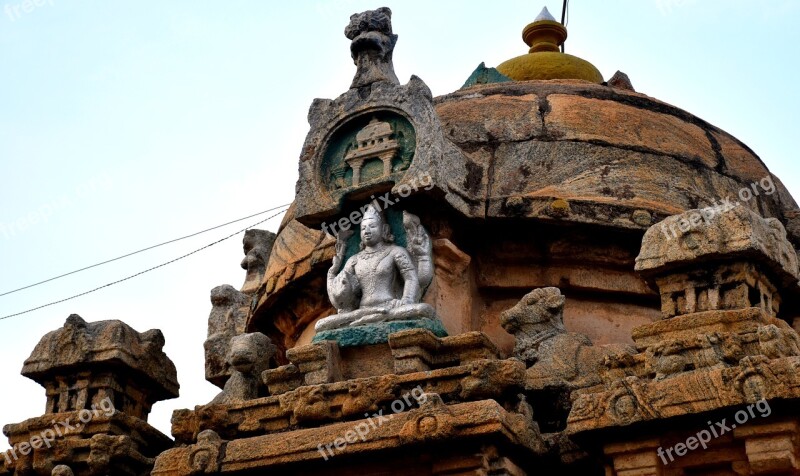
x=226 y=320
x=666 y=358
x=205 y=455
x=384 y=281
x=249 y=356
x=257 y=248
x=372 y=46
x=552 y=354
x=373 y=141
x=776 y=343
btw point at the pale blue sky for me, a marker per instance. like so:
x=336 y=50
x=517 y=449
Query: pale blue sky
x=123 y=124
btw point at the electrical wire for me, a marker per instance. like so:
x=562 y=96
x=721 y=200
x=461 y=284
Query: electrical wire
x=564 y=18
x=140 y=251
x=142 y=272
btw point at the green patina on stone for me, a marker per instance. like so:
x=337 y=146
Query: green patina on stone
x=335 y=171
x=484 y=75
x=377 y=333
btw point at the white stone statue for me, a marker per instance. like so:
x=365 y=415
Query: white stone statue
x=382 y=282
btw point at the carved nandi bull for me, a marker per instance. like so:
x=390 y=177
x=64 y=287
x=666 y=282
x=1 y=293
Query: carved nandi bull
x=555 y=357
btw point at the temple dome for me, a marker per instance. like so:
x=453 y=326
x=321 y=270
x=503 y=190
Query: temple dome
x=558 y=151
x=606 y=151
x=566 y=173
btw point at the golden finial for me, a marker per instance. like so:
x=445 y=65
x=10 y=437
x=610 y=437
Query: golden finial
x=544 y=34
x=544 y=60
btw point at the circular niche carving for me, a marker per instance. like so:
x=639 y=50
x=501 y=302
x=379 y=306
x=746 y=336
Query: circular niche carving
x=754 y=387
x=427 y=425
x=367 y=149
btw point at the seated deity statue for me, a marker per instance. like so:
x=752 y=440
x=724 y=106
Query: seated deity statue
x=383 y=281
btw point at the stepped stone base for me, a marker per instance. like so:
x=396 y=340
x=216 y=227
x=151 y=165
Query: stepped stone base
x=378 y=333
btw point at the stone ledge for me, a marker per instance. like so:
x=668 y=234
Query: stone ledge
x=345 y=400
x=419 y=350
x=377 y=333
x=99 y=454
x=635 y=400
x=147 y=438
x=737 y=321
x=431 y=423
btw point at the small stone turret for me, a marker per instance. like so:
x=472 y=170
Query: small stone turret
x=101 y=378
x=83 y=363
x=720 y=345
x=703 y=260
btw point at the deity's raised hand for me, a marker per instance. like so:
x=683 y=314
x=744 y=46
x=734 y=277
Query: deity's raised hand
x=341 y=249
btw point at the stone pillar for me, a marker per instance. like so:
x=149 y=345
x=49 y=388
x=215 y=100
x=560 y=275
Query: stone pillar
x=634 y=459
x=356 y=165
x=771 y=448
x=319 y=363
x=387 y=163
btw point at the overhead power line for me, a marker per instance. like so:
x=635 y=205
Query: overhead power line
x=564 y=18
x=142 y=272
x=140 y=251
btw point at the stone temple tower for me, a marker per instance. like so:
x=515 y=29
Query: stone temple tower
x=543 y=272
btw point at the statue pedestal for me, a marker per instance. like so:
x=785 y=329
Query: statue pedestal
x=377 y=333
